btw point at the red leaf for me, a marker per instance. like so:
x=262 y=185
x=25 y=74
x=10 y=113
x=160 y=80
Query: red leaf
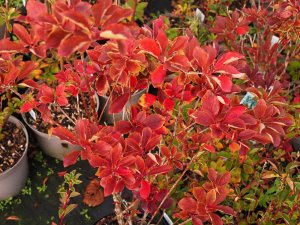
x=71 y=158
x=234 y=112
x=260 y=108
x=204 y=118
x=210 y=103
x=118 y=103
x=188 y=204
x=73 y=43
x=35 y=8
x=209 y=148
x=228 y=69
x=55 y=37
x=101 y=85
x=99 y=9
x=199 y=193
x=163 y=40
x=61 y=96
x=64 y=134
x=215 y=219
x=211 y=197
x=116 y=153
x=8 y=46
x=224 y=82
x=78 y=19
x=224 y=179
x=154 y=121
x=179 y=61
x=102 y=148
x=145 y=189
x=160 y=169
x=117 y=32
x=127 y=161
x=201 y=56
x=150 y=46
x=178 y=44
x=114 y=15
x=39 y=50
x=26 y=69
x=197 y=221
x=123 y=126
x=228 y=57
x=109 y=186
x=242 y=30
x=22 y=34
x=226 y=209
x=246 y=134
x=158 y=76
x=169 y=104
x=147 y=100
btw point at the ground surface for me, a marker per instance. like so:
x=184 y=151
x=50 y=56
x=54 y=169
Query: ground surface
x=38 y=203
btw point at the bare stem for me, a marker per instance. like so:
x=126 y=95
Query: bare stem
x=171 y=189
x=118 y=208
x=66 y=115
x=91 y=95
x=134 y=10
x=109 y=97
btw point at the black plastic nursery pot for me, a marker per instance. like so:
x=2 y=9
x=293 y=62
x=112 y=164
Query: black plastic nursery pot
x=13 y=179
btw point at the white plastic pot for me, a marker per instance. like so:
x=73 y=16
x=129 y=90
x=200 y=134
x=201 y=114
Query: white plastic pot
x=51 y=144
x=123 y=115
x=14 y=179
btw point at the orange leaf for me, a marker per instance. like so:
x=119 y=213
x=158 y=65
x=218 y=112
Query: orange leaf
x=93 y=195
x=234 y=146
x=12 y=218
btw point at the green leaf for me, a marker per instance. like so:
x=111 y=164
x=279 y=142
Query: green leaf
x=74 y=194
x=284 y=194
x=70 y=208
x=140 y=8
x=269 y=174
x=286 y=218
x=248 y=169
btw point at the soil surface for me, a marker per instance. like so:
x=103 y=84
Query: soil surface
x=74 y=110
x=12 y=146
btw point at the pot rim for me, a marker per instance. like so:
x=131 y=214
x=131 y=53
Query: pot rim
x=16 y=121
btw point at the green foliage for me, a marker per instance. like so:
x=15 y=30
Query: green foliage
x=140 y=8
x=67 y=191
x=294 y=70
x=12 y=3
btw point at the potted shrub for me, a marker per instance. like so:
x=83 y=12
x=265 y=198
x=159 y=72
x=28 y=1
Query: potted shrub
x=13 y=134
x=184 y=150
x=59 y=103
x=47 y=49
x=203 y=102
